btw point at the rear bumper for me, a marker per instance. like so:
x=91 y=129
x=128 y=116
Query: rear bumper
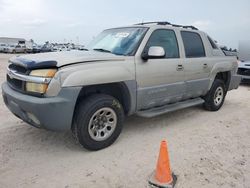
x=235 y=82
x=53 y=113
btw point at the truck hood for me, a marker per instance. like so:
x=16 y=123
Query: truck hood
x=59 y=59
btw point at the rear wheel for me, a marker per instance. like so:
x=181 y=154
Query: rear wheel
x=98 y=121
x=214 y=99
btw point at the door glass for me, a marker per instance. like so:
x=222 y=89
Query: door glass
x=167 y=40
x=193 y=44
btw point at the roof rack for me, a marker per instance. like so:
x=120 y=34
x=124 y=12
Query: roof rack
x=168 y=23
x=158 y=23
x=191 y=27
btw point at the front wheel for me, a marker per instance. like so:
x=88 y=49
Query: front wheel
x=214 y=99
x=98 y=121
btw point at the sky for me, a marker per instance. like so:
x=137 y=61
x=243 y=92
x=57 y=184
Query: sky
x=226 y=21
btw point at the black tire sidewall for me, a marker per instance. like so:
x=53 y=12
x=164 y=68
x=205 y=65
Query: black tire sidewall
x=87 y=108
x=209 y=98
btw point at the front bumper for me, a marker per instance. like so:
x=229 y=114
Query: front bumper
x=245 y=78
x=244 y=72
x=53 y=113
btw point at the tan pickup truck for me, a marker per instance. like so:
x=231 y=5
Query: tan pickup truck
x=145 y=69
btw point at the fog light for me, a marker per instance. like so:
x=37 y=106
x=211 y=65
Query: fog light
x=33 y=118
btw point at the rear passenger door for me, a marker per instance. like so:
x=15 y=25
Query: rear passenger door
x=196 y=65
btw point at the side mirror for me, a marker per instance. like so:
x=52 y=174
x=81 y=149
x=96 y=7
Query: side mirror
x=154 y=52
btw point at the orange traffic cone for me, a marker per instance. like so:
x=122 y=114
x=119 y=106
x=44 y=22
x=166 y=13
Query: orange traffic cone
x=163 y=177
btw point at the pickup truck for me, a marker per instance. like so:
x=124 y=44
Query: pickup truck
x=146 y=69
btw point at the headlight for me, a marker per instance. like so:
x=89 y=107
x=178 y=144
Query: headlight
x=49 y=73
x=40 y=88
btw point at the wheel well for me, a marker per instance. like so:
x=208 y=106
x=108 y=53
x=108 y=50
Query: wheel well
x=225 y=77
x=117 y=90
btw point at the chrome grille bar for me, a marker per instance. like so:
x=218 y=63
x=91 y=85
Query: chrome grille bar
x=39 y=80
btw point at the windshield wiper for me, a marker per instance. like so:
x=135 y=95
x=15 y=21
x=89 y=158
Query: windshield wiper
x=102 y=50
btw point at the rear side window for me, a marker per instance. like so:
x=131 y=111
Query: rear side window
x=167 y=40
x=193 y=44
x=214 y=46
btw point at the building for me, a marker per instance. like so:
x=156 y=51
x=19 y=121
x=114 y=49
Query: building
x=244 y=50
x=7 y=40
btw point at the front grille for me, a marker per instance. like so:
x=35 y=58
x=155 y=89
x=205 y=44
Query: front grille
x=14 y=83
x=18 y=68
x=243 y=71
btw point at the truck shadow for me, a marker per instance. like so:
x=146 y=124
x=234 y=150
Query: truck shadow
x=245 y=84
x=135 y=123
x=29 y=139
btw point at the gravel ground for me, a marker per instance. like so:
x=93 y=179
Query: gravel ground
x=207 y=149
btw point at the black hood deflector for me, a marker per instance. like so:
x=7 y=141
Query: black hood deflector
x=30 y=64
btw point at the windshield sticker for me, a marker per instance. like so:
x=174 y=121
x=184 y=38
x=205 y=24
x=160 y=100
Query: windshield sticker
x=122 y=35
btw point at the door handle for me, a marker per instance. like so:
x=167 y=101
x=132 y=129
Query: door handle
x=179 y=68
x=205 y=65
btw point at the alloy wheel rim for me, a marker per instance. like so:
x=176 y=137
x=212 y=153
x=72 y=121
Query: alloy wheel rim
x=218 y=96
x=102 y=124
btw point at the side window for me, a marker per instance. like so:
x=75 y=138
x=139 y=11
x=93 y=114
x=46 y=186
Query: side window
x=193 y=44
x=166 y=39
x=214 y=46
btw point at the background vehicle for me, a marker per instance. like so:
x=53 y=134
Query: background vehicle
x=37 y=48
x=63 y=48
x=46 y=48
x=29 y=49
x=2 y=46
x=244 y=70
x=244 y=50
x=146 y=69
x=15 y=49
x=55 y=48
x=29 y=46
x=244 y=60
x=9 y=48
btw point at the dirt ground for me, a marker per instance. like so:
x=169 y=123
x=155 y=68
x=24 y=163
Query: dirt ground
x=207 y=149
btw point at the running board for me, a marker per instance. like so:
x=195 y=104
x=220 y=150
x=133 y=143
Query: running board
x=169 y=108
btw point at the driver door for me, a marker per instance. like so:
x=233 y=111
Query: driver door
x=160 y=80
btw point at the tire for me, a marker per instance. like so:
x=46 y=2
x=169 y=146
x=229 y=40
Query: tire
x=98 y=121
x=215 y=97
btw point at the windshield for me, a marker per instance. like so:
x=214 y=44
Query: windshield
x=120 y=41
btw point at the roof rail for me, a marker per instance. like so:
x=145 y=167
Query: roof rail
x=158 y=23
x=190 y=26
x=168 y=23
